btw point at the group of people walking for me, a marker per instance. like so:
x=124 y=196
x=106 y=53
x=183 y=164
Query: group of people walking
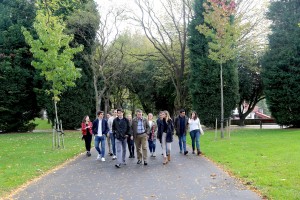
x=140 y=133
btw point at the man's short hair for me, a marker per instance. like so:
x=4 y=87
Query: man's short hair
x=138 y=111
x=99 y=112
x=181 y=110
x=120 y=109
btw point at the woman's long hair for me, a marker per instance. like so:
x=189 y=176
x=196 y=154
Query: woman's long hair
x=83 y=120
x=195 y=117
x=167 y=116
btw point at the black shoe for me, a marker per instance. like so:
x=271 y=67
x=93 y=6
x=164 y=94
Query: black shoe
x=133 y=156
x=111 y=154
x=199 y=152
x=145 y=163
x=130 y=156
x=88 y=154
x=193 y=152
x=186 y=152
x=118 y=165
x=139 y=162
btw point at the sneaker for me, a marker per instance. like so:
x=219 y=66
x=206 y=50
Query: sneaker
x=133 y=156
x=185 y=152
x=88 y=154
x=118 y=165
x=180 y=151
x=98 y=157
x=193 y=152
x=114 y=157
x=145 y=163
x=139 y=162
x=124 y=163
x=154 y=154
x=102 y=159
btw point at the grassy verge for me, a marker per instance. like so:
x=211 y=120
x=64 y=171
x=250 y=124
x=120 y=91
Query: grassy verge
x=266 y=159
x=28 y=155
x=42 y=124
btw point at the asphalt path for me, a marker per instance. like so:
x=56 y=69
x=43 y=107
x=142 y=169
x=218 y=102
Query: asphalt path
x=184 y=177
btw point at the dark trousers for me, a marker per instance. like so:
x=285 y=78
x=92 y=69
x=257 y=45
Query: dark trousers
x=88 y=141
x=130 y=144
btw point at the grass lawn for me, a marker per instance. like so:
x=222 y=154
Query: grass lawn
x=268 y=160
x=25 y=156
x=42 y=124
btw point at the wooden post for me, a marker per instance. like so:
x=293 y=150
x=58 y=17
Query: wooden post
x=62 y=134
x=216 y=130
x=229 y=127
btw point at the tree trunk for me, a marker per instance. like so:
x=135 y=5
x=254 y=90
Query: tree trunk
x=56 y=115
x=222 y=102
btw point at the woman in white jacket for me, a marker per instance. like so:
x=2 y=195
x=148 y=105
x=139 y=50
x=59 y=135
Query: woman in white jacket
x=195 y=131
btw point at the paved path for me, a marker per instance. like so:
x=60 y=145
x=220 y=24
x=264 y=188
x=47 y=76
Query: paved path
x=185 y=177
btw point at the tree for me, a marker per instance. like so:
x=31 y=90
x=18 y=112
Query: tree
x=78 y=101
x=168 y=34
x=281 y=63
x=205 y=75
x=250 y=81
x=52 y=53
x=18 y=102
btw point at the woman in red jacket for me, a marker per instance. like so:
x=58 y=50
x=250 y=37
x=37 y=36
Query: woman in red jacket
x=87 y=133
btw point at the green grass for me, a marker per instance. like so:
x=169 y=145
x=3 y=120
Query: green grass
x=268 y=159
x=25 y=156
x=42 y=124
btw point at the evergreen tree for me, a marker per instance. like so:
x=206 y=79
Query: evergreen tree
x=281 y=66
x=18 y=102
x=205 y=75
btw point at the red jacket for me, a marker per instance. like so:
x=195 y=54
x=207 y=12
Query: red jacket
x=83 y=128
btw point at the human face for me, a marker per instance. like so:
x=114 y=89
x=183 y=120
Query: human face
x=193 y=115
x=163 y=115
x=100 y=116
x=139 y=115
x=129 y=117
x=87 y=119
x=107 y=116
x=120 y=114
x=182 y=114
x=115 y=113
x=150 y=116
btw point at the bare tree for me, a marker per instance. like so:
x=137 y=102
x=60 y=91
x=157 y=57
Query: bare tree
x=168 y=34
x=108 y=56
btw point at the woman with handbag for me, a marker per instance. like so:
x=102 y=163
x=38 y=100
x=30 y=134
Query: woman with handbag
x=195 y=131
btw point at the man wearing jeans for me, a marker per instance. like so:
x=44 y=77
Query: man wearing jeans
x=181 y=125
x=121 y=130
x=110 y=120
x=100 y=129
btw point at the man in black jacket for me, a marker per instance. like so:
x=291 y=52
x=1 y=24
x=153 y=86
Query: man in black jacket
x=121 y=130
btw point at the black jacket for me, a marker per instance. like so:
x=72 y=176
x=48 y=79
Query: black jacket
x=121 y=128
x=170 y=130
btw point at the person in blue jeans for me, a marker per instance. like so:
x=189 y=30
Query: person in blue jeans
x=195 y=131
x=181 y=126
x=100 y=130
x=110 y=120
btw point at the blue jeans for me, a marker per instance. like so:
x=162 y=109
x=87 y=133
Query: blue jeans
x=113 y=142
x=152 y=145
x=101 y=140
x=121 y=150
x=195 y=136
x=182 y=142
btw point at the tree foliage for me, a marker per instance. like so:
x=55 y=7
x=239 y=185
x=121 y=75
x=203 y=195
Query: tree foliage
x=18 y=102
x=205 y=75
x=52 y=52
x=281 y=66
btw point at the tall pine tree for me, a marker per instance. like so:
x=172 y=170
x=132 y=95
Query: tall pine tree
x=205 y=75
x=18 y=102
x=281 y=66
